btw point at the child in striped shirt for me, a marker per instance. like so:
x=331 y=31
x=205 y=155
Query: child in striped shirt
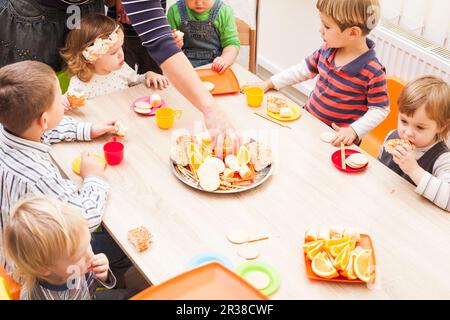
x=351 y=93
x=50 y=245
x=423 y=158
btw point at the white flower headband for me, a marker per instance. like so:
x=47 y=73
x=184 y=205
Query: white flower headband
x=100 y=46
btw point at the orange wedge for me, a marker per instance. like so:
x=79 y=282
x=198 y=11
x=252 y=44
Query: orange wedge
x=337 y=248
x=334 y=242
x=243 y=155
x=310 y=245
x=342 y=258
x=322 y=266
x=195 y=160
x=192 y=147
x=349 y=272
x=314 y=251
x=363 y=265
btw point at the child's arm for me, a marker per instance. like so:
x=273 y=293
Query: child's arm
x=68 y=130
x=295 y=74
x=348 y=135
x=435 y=187
x=90 y=197
x=71 y=130
x=228 y=57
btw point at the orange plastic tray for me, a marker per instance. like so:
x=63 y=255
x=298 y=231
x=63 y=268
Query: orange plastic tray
x=211 y=281
x=225 y=83
x=365 y=243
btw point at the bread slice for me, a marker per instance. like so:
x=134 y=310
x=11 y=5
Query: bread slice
x=140 y=237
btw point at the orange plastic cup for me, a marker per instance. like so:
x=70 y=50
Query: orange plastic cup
x=255 y=96
x=165 y=117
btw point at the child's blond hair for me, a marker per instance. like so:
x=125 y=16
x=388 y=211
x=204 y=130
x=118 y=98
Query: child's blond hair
x=40 y=231
x=27 y=90
x=433 y=93
x=364 y=14
x=92 y=26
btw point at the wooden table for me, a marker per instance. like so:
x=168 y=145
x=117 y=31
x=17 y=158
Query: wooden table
x=410 y=235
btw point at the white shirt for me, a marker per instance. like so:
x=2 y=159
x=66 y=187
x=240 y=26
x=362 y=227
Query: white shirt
x=26 y=168
x=104 y=84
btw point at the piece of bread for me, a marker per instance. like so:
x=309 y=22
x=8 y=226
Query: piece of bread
x=391 y=144
x=275 y=103
x=76 y=99
x=140 y=237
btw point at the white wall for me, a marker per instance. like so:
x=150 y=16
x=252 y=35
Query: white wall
x=288 y=32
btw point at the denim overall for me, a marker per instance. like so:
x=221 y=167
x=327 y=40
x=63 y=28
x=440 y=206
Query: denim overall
x=201 y=40
x=32 y=31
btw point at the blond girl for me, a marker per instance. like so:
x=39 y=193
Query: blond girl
x=95 y=59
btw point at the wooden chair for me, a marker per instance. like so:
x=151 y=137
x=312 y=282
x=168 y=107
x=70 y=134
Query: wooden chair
x=373 y=141
x=247 y=37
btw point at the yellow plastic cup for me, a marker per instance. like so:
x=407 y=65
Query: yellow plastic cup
x=165 y=117
x=255 y=96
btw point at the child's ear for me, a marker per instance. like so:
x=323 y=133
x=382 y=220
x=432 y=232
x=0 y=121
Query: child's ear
x=355 y=32
x=43 y=121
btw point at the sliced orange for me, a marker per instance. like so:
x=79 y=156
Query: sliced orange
x=310 y=245
x=337 y=248
x=363 y=265
x=243 y=155
x=192 y=147
x=349 y=271
x=342 y=258
x=334 y=242
x=314 y=251
x=195 y=160
x=322 y=266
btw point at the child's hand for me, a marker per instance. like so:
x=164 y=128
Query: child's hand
x=346 y=135
x=220 y=65
x=99 y=130
x=156 y=80
x=100 y=267
x=90 y=166
x=66 y=104
x=403 y=156
x=178 y=37
x=266 y=85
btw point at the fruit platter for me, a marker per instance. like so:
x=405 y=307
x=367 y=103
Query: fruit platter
x=200 y=165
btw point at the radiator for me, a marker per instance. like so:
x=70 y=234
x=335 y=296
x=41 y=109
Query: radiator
x=407 y=56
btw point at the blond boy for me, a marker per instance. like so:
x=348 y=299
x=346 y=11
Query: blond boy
x=50 y=245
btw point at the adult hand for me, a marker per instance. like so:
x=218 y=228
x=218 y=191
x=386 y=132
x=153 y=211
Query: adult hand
x=121 y=15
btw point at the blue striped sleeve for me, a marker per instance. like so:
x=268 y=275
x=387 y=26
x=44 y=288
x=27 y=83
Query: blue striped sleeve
x=150 y=23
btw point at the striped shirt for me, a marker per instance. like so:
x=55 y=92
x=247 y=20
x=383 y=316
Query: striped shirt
x=150 y=23
x=83 y=289
x=344 y=94
x=26 y=168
